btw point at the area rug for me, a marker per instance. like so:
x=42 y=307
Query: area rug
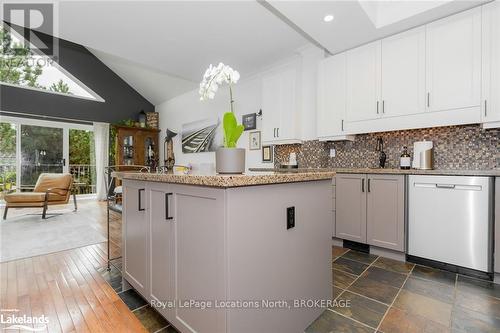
x=26 y=236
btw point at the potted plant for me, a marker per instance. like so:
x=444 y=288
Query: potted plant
x=228 y=159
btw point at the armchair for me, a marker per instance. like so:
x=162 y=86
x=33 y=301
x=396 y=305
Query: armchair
x=50 y=189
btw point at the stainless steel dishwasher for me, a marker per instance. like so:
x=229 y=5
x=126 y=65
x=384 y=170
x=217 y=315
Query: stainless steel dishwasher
x=450 y=220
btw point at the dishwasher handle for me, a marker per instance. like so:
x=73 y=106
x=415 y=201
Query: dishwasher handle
x=448 y=186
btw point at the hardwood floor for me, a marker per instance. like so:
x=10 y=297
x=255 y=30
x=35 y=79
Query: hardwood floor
x=66 y=287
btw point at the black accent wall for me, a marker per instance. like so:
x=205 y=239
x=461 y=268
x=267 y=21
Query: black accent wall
x=121 y=100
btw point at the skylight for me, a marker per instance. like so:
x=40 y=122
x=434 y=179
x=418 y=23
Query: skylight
x=384 y=13
x=33 y=71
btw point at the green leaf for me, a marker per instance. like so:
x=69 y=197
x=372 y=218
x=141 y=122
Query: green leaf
x=232 y=131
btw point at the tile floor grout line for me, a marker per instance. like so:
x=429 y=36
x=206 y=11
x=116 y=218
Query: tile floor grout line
x=161 y=328
x=394 y=300
x=355 y=320
x=142 y=306
x=371 y=299
x=370 y=265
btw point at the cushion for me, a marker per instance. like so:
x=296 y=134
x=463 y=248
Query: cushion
x=29 y=197
x=53 y=180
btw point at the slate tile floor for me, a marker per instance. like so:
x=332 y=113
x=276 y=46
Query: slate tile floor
x=150 y=319
x=385 y=296
x=388 y=296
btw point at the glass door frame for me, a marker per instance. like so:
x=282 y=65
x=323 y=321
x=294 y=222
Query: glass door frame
x=18 y=121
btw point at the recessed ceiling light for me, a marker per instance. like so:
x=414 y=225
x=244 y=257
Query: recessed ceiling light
x=328 y=18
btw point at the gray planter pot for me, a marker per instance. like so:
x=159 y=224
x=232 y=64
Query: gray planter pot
x=230 y=160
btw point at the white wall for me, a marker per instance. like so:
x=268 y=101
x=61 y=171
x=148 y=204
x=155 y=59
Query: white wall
x=247 y=95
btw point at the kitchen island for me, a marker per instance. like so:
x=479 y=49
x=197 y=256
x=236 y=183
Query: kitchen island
x=230 y=253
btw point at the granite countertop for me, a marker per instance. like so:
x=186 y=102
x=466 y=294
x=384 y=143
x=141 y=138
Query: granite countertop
x=491 y=172
x=225 y=181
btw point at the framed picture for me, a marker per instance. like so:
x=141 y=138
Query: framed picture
x=200 y=136
x=249 y=121
x=254 y=140
x=267 y=154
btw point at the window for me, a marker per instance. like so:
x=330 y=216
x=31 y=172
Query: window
x=19 y=66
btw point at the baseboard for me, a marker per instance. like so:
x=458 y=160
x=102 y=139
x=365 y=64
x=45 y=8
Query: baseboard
x=391 y=254
x=337 y=242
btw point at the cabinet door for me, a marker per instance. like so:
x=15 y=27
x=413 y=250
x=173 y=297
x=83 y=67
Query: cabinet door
x=271 y=106
x=363 y=82
x=403 y=73
x=350 y=197
x=331 y=96
x=287 y=129
x=454 y=61
x=199 y=217
x=135 y=236
x=161 y=249
x=385 y=211
x=491 y=62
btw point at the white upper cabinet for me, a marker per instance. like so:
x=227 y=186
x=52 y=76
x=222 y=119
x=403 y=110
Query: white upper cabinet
x=491 y=65
x=453 y=62
x=363 y=82
x=279 y=105
x=403 y=73
x=331 y=98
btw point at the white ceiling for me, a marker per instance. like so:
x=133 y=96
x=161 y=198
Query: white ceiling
x=179 y=37
x=162 y=48
x=152 y=84
x=352 y=26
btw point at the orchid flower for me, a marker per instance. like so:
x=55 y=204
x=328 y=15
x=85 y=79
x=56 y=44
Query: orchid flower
x=215 y=76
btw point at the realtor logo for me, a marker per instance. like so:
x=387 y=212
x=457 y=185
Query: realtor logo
x=26 y=20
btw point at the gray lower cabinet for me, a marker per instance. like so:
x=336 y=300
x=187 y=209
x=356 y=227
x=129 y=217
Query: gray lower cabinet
x=161 y=246
x=370 y=209
x=135 y=236
x=186 y=253
x=350 y=197
x=385 y=211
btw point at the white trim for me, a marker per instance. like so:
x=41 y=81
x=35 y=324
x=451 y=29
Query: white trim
x=45 y=123
x=96 y=98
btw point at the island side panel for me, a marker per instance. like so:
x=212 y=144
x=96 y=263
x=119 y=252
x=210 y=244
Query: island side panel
x=268 y=262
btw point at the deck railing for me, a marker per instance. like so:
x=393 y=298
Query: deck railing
x=84 y=176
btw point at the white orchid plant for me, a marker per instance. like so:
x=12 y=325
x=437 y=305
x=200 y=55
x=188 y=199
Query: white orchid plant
x=215 y=76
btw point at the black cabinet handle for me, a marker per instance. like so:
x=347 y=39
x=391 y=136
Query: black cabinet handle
x=139 y=191
x=369 y=187
x=278 y=132
x=274 y=132
x=167 y=214
x=342 y=125
x=362 y=185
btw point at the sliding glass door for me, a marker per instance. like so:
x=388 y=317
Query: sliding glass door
x=41 y=151
x=29 y=147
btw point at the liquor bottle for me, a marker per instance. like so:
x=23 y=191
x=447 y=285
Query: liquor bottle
x=405 y=160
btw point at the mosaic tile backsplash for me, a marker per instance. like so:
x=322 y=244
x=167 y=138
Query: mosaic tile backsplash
x=457 y=147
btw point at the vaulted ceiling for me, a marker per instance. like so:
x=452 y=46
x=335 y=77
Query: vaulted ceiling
x=161 y=48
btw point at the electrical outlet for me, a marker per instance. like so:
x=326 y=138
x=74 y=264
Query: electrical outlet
x=290 y=217
x=332 y=152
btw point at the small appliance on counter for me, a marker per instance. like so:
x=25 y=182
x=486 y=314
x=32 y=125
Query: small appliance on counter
x=423 y=155
x=292 y=162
